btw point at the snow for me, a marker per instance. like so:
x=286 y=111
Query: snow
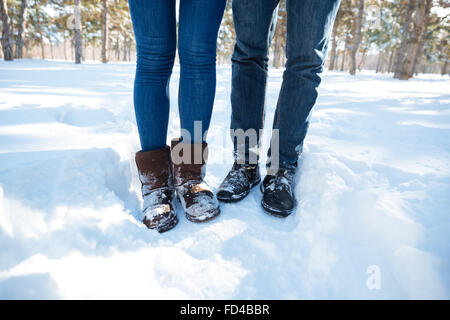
x=373 y=194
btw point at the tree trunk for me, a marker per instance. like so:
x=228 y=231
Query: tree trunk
x=343 y=59
x=344 y=52
x=420 y=47
x=65 y=50
x=118 y=47
x=333 y=57
x=391 y=62
x=72 y=50
x=357 y=37
x=104 y=30
x=7 y=41
x=444 y=67
x=384 y=63
x=85 y=46
x=20 y=31
x=400 y=54
x=42 y=49
x=41 y=37
x=277 y=52
x=51 y=49
x=407 y=69
x=379 y=62
x=125 y=45
x=27 y=49
x=78 y=37
x=129 y=49
x=333 y=51
x=363 y=59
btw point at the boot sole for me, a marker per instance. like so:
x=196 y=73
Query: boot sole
x=164 y=227
x=240 y=196
x=215 y=214
x=276 y=213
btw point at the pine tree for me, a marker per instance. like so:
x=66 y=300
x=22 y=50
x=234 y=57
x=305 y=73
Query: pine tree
x=104 y=30
x=226 y=37
x=78 y=36
x=406 y=32
x=7 y=41
x=421 y=42
x=334 y=39
x=357 y=36
x=279 y=38
x=21 y=29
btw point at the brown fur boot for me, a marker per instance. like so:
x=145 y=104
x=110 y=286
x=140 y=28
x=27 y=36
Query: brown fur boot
x=189 y=162
x=155 y=173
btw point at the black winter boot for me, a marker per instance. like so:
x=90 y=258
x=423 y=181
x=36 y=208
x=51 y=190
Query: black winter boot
x=278 y=194
x=237 y=184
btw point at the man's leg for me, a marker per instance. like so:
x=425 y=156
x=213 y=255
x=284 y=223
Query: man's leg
x=309 y=24
x=254 y=22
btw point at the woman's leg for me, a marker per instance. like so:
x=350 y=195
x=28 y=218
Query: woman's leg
x=199 y=22
x=154 y=26
x=198 y=28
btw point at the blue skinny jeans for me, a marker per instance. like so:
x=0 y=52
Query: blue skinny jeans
x=154 y=24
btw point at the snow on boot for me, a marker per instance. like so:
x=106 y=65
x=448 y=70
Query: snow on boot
x=189 y=164
x=278 y=196
x=237 y=184
x=154 y=169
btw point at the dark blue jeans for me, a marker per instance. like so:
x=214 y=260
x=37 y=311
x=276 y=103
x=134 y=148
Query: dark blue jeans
x=154 y=23
x=309 y=25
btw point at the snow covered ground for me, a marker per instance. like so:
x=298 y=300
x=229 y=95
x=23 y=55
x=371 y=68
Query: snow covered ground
x=373 y=190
